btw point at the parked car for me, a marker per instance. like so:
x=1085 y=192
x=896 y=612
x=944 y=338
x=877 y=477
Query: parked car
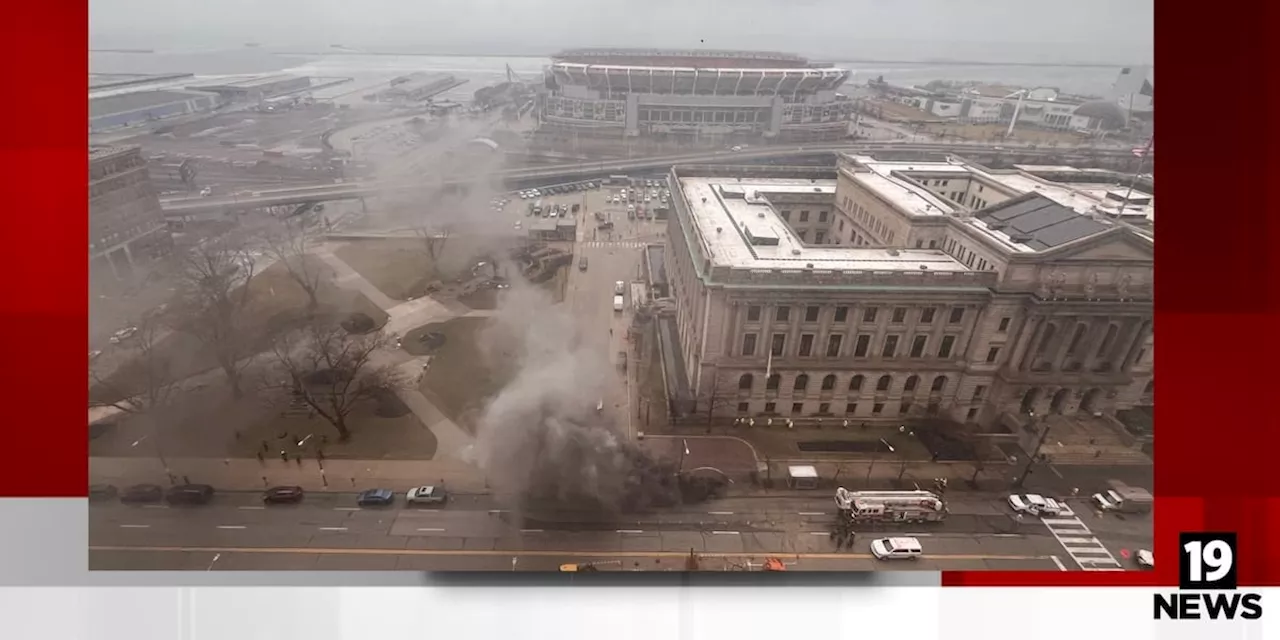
x=376 y=498
x=1036 y=505
x=283 y=495
x=582 y=264
x=123 y=334
x=427 y=494
x=1145 y=559
x=142 y=494
x=102 y=492
x=189 y=494
x=1100 y=501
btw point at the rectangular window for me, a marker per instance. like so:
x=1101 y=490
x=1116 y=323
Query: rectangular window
x=842 y=314
x=917 y=346
x=1004 y=324
x=877 y=408
x=770 y=407
x=822 y=216
x=804 y=216
x=944 y=350
x=797 y=408
x=824 y=408
x=833 y=345
x=753 y=313
x=973 y=413
x=749 y=344
x=851 y=408
x=919 y=244
x=899 y=315
x=926 y=315
x=861 y=346
x=957 y=314
x=819 y=236
x=993 y=353
x=783 y=314
x=786 y=215
x=933 y=244
x=890 y=346
x=744 y=407
x=869 y=314
x=811 y=313
x=779 y=341
x=806 y=344
x=979 y=391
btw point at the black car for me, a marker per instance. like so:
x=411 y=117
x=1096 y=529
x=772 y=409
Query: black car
x=102 y=492
x=142 y=494
x=283 y=495
x=189 y=494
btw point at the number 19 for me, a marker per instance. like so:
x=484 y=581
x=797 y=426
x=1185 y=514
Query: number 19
x=1216 y=554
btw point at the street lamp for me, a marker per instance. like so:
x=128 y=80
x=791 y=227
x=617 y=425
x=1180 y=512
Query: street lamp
x=1035 y=453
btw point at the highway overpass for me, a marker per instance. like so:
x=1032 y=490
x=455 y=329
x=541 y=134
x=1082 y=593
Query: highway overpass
x=527 y=177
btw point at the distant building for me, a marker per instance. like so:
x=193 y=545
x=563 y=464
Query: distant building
x=125 y=109
x=416 y=87
x=886 y=290
x=126 y=224
x=1133 y=90
x=256 y=88
x=695 y=95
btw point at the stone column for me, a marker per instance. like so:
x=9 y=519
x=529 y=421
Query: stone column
x=1117 y=351
x=1059 y=356
x=1028 y=348
x=1131 y=356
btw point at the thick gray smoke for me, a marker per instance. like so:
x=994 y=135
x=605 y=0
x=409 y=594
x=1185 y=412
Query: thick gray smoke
x=541 y=441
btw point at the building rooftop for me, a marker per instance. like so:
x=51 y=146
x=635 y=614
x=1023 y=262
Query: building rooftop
x=120 y=103
x=1038 y=222
x=250 y=82
x=100 y=152
x=741 y=229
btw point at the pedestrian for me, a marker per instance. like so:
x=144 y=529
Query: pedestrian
x=265 y=446
x=1098 y=453
x=237 y=434
x=186 y=480
x=298 y=458
x=261 y=459
x=284 y=456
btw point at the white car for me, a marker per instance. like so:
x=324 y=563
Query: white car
x=427 y=494
x=1037 y=505
x=1145 y=559
x=735 y=148
x=896 y=548
x=1102 y=503
x=93 y=355
x=123 y=334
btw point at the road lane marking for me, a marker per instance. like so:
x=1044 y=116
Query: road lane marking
x=725 y=533
x=1058 y=562
x=577 y=553
x=252 y=508
x=498 y=511
x=720 y=513
x=155 y=506
x=333 y=528
x=428 y=510
x=231 y=526
x=812 y=513
x=431 y=529
x=630 y=531
x=531 y=531
x=819 y=533
x=135 y=526
x=346 y=508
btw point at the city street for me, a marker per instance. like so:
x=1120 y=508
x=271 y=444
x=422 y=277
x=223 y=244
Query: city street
x=329 y=531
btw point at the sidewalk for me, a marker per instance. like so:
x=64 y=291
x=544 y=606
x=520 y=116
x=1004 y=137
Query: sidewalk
x=238 y=474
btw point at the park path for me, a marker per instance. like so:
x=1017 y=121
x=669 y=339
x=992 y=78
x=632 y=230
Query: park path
x=452 y=441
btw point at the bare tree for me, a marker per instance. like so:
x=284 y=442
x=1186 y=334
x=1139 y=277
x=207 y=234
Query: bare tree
x=215 y=292
x=287 y=244
x=332 y=371
x=147 y=383
x=433 y=240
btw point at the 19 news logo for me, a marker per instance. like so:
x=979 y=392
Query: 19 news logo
x=1207 y=582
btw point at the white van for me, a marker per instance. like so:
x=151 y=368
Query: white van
x=896 y=548
x=619 y=288
x=617 y=303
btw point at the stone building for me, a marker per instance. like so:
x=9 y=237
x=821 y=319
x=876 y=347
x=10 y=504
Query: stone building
x=126 y=224
x=889 y=289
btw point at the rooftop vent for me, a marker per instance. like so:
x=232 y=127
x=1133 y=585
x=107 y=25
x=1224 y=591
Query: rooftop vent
x=808 y=265
x=996 y=226
x=1020 y=238
x=817 y=189
x=719 y=229
x=704 y=200
x=924 y=267
x=893 y=252
x=795 y=252
x=760 y=215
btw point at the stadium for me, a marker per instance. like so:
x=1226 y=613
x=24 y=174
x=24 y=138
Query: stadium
x=707 y=96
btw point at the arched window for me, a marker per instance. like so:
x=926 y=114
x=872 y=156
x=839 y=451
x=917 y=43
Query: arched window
x=883 y=383
x=746 y=381
x=911 y=383
x=772 y=383
x=1107 y=341
x=939 y=383
x=855 y=383
x=829 y=383
x=1076 y=338
x=1048 y=337
x=802 y=382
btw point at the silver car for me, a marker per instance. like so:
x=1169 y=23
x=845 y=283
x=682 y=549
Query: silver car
x=427 y=494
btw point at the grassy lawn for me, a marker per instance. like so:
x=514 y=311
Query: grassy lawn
x=460 y=378
x=277 y=304
x=401 y=268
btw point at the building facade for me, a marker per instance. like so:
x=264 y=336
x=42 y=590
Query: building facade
x=935 y=288
x=703 y=95
x=127 y=227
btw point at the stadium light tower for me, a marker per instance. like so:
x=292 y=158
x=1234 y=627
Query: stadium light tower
x=1017 y=109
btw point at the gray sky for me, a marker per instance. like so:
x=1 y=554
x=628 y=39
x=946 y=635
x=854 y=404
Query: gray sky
x=997 y=30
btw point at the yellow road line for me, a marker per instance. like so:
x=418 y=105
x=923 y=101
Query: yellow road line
x=546 y=554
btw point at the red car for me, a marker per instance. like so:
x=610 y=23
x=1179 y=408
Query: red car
x=283 y=495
